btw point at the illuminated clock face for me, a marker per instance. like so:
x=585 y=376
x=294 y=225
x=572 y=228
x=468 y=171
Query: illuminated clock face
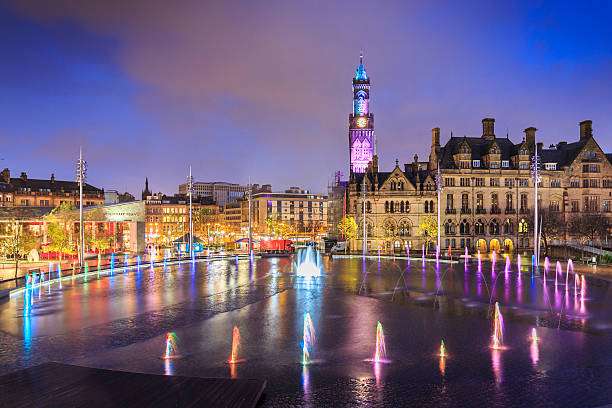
x=361 y=122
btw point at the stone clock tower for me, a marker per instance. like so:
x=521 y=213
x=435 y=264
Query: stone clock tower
x=361 y=122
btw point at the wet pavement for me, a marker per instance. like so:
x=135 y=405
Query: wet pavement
x=120 y=322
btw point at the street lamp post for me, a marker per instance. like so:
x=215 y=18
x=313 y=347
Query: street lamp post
x=535 y=172
x=190 y=187
x=250 y=222
x=81 y=175
x=439 y=188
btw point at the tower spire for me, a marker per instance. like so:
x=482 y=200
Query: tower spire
x=360 y=74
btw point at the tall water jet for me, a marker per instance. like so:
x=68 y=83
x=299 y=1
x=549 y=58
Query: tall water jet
x=112 y=264
x=138 y=262
x=125 y=260
x=442 y=355
x=380 y=354
x=59 y=275
x=494 y=259
x=534 y=334
x=465 y=259
x=498 y=329
x=308 y=339
x=546 y=265
x=570 y=265
x=518 y=263
x=86 y=271
x=171 y=346
x=508 y=266
x=423 y=252
x=308 y=263
x=479 y=261
x=558 y=271
x=235 y=346
x=437 y=252
x=534 y=350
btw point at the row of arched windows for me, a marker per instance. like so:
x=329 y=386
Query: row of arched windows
x=397 y=186
x=397 y=206
x=429 y=206
x=479 y=227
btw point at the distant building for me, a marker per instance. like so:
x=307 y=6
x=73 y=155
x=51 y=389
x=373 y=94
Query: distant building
x=167 y=217
x=303 y=210
x=27 y=192
x=114 y=197
x=221 y=192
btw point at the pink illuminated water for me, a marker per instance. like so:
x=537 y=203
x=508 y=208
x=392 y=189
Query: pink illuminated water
x=380 y=354
x=498 y=329
x=307 y=339
x=235 y=345
x=171 y=345
x=507 y=269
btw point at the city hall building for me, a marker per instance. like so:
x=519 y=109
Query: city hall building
x=487 y=198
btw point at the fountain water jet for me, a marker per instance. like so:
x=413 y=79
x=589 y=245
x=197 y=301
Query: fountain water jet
x=442 y=350
x=308 y=339
x=308 y=263
x=498 y=329
x=171 y=346
x=507 y=269
x=518 y=263
x=534 y=335
x=235 y=347
x=380 y=354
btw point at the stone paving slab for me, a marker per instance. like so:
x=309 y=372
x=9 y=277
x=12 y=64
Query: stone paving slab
x=63 y=385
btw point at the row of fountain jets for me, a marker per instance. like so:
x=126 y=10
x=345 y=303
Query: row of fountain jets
x=308 y=340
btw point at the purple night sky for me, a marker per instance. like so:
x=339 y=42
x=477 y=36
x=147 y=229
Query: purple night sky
x=263 y=88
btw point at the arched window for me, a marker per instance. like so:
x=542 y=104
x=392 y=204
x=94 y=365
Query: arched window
x=386 y=206
x=464 y=227
x=508 y=227
x=404 y=229
x=368 y=206
x=523 y=228
x=494 y=227
x=426 y=206
x=479 y=227
x=431 y=206
x=393 y=186
x=401 y=206
x=449 y=227
x=391 y=207
x=407 y=206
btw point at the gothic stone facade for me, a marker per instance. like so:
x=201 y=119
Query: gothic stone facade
x=487 y=199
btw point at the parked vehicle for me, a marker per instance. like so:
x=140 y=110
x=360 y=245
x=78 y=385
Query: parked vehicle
x=340 y=246
x=278 y=246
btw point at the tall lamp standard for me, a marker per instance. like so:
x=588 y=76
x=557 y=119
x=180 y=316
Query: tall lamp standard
x=439 y=188
x=535 y=173
x=250 y=221
x=81 y=175
x=190 y=190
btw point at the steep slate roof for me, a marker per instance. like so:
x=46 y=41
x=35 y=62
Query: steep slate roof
x=563 y=154
x=55 y=186
x=384 y=175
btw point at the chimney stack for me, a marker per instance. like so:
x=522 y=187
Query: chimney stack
x=586 y=129
x=434 y=154
x=540 y=145
x=6 y=175
x=52 y=177
x=24 y=176
x=488 y=128
x=530 y=136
